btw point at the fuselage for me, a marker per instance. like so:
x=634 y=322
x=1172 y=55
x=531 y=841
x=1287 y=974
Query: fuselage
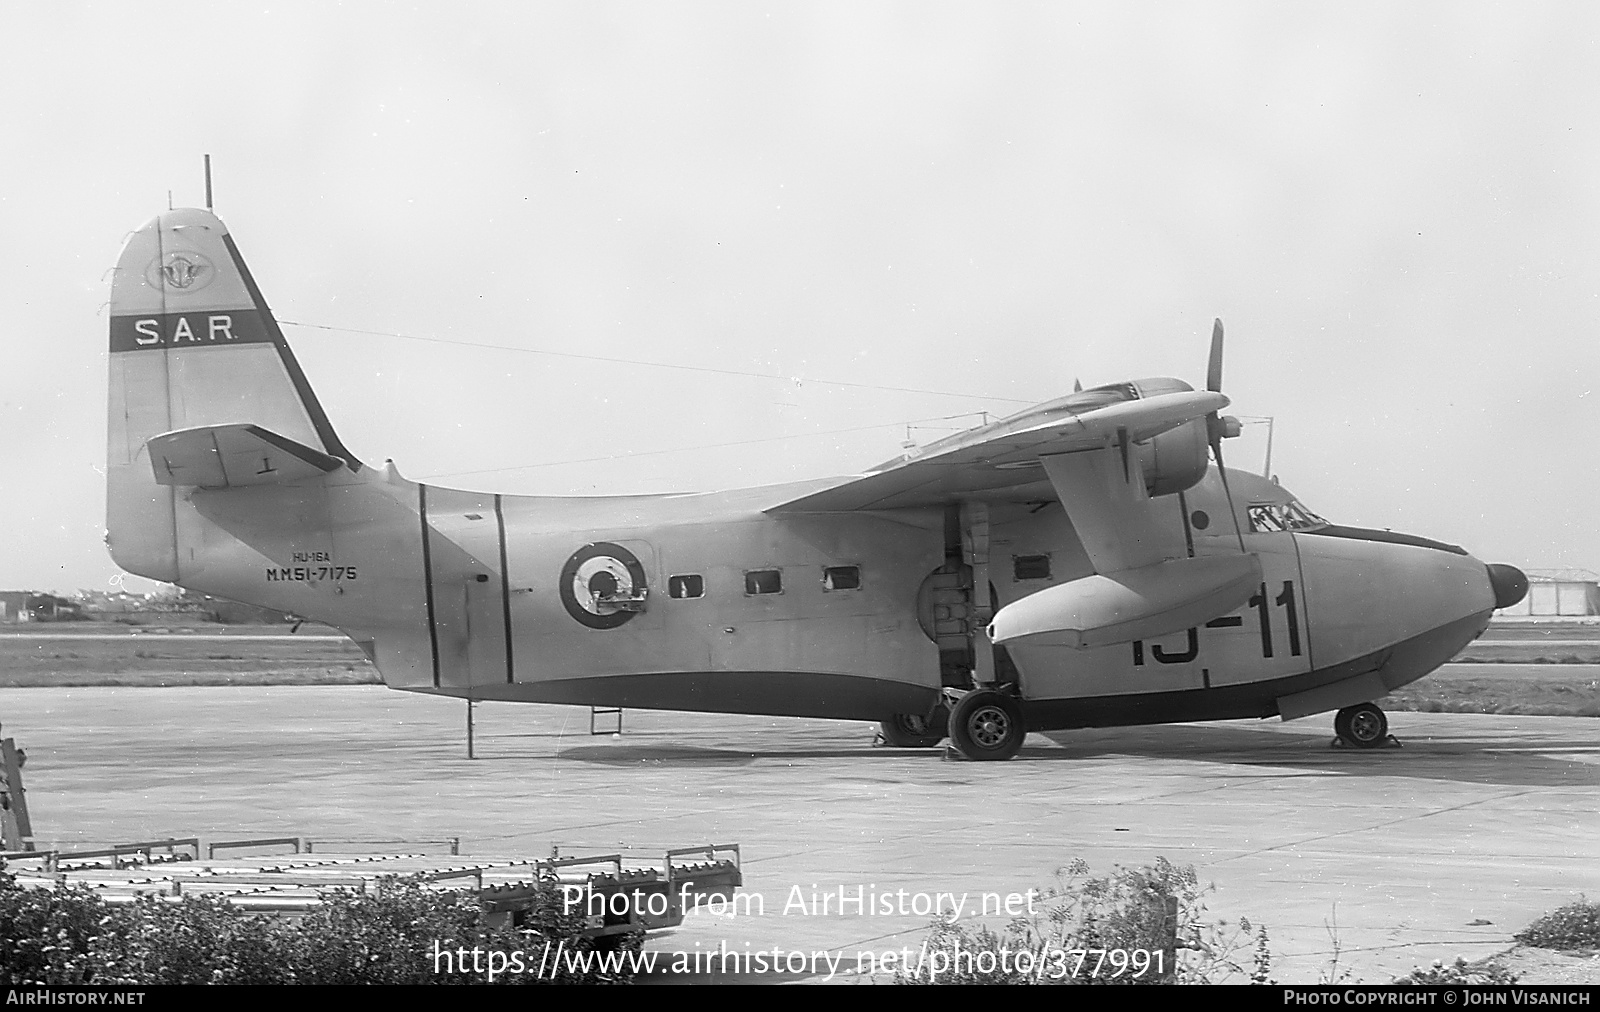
x=739 y=610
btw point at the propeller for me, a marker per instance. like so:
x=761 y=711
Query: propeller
x=1217 y=427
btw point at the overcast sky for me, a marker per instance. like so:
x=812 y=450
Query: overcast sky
x=1394 y=208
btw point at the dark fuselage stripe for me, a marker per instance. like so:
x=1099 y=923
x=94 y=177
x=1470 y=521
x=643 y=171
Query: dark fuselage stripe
x=427 y=578
x=505 y=584
x=1188 y=532
x=1304 y=603
x=1382 y=537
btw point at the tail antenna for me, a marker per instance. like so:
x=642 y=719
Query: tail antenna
x=208 y=182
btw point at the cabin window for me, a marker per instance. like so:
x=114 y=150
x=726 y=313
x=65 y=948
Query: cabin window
x=1031 y=567
x=690 y=585
x=1265 y=518
x=763 y=581
x=841 y=578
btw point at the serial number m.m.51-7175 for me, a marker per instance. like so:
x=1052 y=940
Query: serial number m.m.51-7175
x=1081 y=563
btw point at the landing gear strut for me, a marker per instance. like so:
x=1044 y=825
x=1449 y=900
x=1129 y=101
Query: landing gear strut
x=1362 y=725
x=987 y=724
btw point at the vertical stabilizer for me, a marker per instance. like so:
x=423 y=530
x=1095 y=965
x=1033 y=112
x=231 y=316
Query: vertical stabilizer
x=192 y=343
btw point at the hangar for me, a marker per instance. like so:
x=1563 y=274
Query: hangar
x=1566 y=593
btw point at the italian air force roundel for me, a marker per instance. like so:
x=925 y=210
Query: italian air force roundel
x=603 y=585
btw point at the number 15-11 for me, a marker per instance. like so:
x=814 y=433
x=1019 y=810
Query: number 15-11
x=1263 y=606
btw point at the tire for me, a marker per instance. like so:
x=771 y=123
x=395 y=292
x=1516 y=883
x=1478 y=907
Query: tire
x=913 y=730
x=987 y=725
x=1363 y=725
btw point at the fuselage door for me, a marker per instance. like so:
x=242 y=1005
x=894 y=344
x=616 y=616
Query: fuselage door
x=489 y=660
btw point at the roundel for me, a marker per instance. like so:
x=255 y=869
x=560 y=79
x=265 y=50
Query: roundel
x=595 y=576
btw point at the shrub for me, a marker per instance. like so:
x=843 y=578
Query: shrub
x=1574 y=926
x=1459 y=972
x=1158 y=910
x=388 y=936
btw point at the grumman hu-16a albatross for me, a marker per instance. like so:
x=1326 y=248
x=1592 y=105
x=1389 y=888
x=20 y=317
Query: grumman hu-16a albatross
x=1078 y=564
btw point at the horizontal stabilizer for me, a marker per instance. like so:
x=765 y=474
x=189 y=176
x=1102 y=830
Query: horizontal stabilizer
x=1101 y=610
x=229 y=456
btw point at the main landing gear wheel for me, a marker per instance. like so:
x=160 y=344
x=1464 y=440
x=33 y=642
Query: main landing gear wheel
x=1362 y=725
x=913 y=730
x=987 y=724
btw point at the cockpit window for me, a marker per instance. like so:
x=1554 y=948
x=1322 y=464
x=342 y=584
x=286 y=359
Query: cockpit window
x=1282 y=516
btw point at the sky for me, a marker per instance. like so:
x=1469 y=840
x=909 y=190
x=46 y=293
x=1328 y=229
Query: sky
x=1395 y=209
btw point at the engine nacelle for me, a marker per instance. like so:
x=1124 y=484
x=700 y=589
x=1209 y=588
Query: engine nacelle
x=1176 y=460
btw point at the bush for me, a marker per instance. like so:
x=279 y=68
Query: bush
x=1157 y=910
x=1574 y=926
x=389 y=936
x=1459 y=972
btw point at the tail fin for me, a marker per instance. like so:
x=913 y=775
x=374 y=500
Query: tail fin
x=192 y=344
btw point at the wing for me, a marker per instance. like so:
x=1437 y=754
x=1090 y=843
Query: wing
x=1144 y=584
x=1007 y=456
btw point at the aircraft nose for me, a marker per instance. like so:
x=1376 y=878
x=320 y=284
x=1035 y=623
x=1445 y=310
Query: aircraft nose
x=1509 y=583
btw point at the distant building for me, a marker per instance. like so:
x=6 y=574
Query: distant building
x=1570 y=593
x=14 y=605
x=32 y=606
x=101 y=602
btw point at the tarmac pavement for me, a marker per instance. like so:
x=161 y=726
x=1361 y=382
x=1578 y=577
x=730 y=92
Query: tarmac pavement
x=1357 y=862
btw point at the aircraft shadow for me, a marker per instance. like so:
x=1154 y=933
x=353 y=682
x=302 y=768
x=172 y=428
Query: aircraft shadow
x=1529 y=755
x=687 y=756
x=692 y=756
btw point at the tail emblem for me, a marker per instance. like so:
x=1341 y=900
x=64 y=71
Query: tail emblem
x=183 y=271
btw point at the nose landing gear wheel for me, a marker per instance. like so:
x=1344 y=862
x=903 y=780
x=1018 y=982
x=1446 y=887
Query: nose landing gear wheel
x=913 y=730
x=1362 y=725
x=987 y=724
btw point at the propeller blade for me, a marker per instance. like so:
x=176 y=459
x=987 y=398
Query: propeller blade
x=1214 y=368
x=1217 y=427
x=1216 y=450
